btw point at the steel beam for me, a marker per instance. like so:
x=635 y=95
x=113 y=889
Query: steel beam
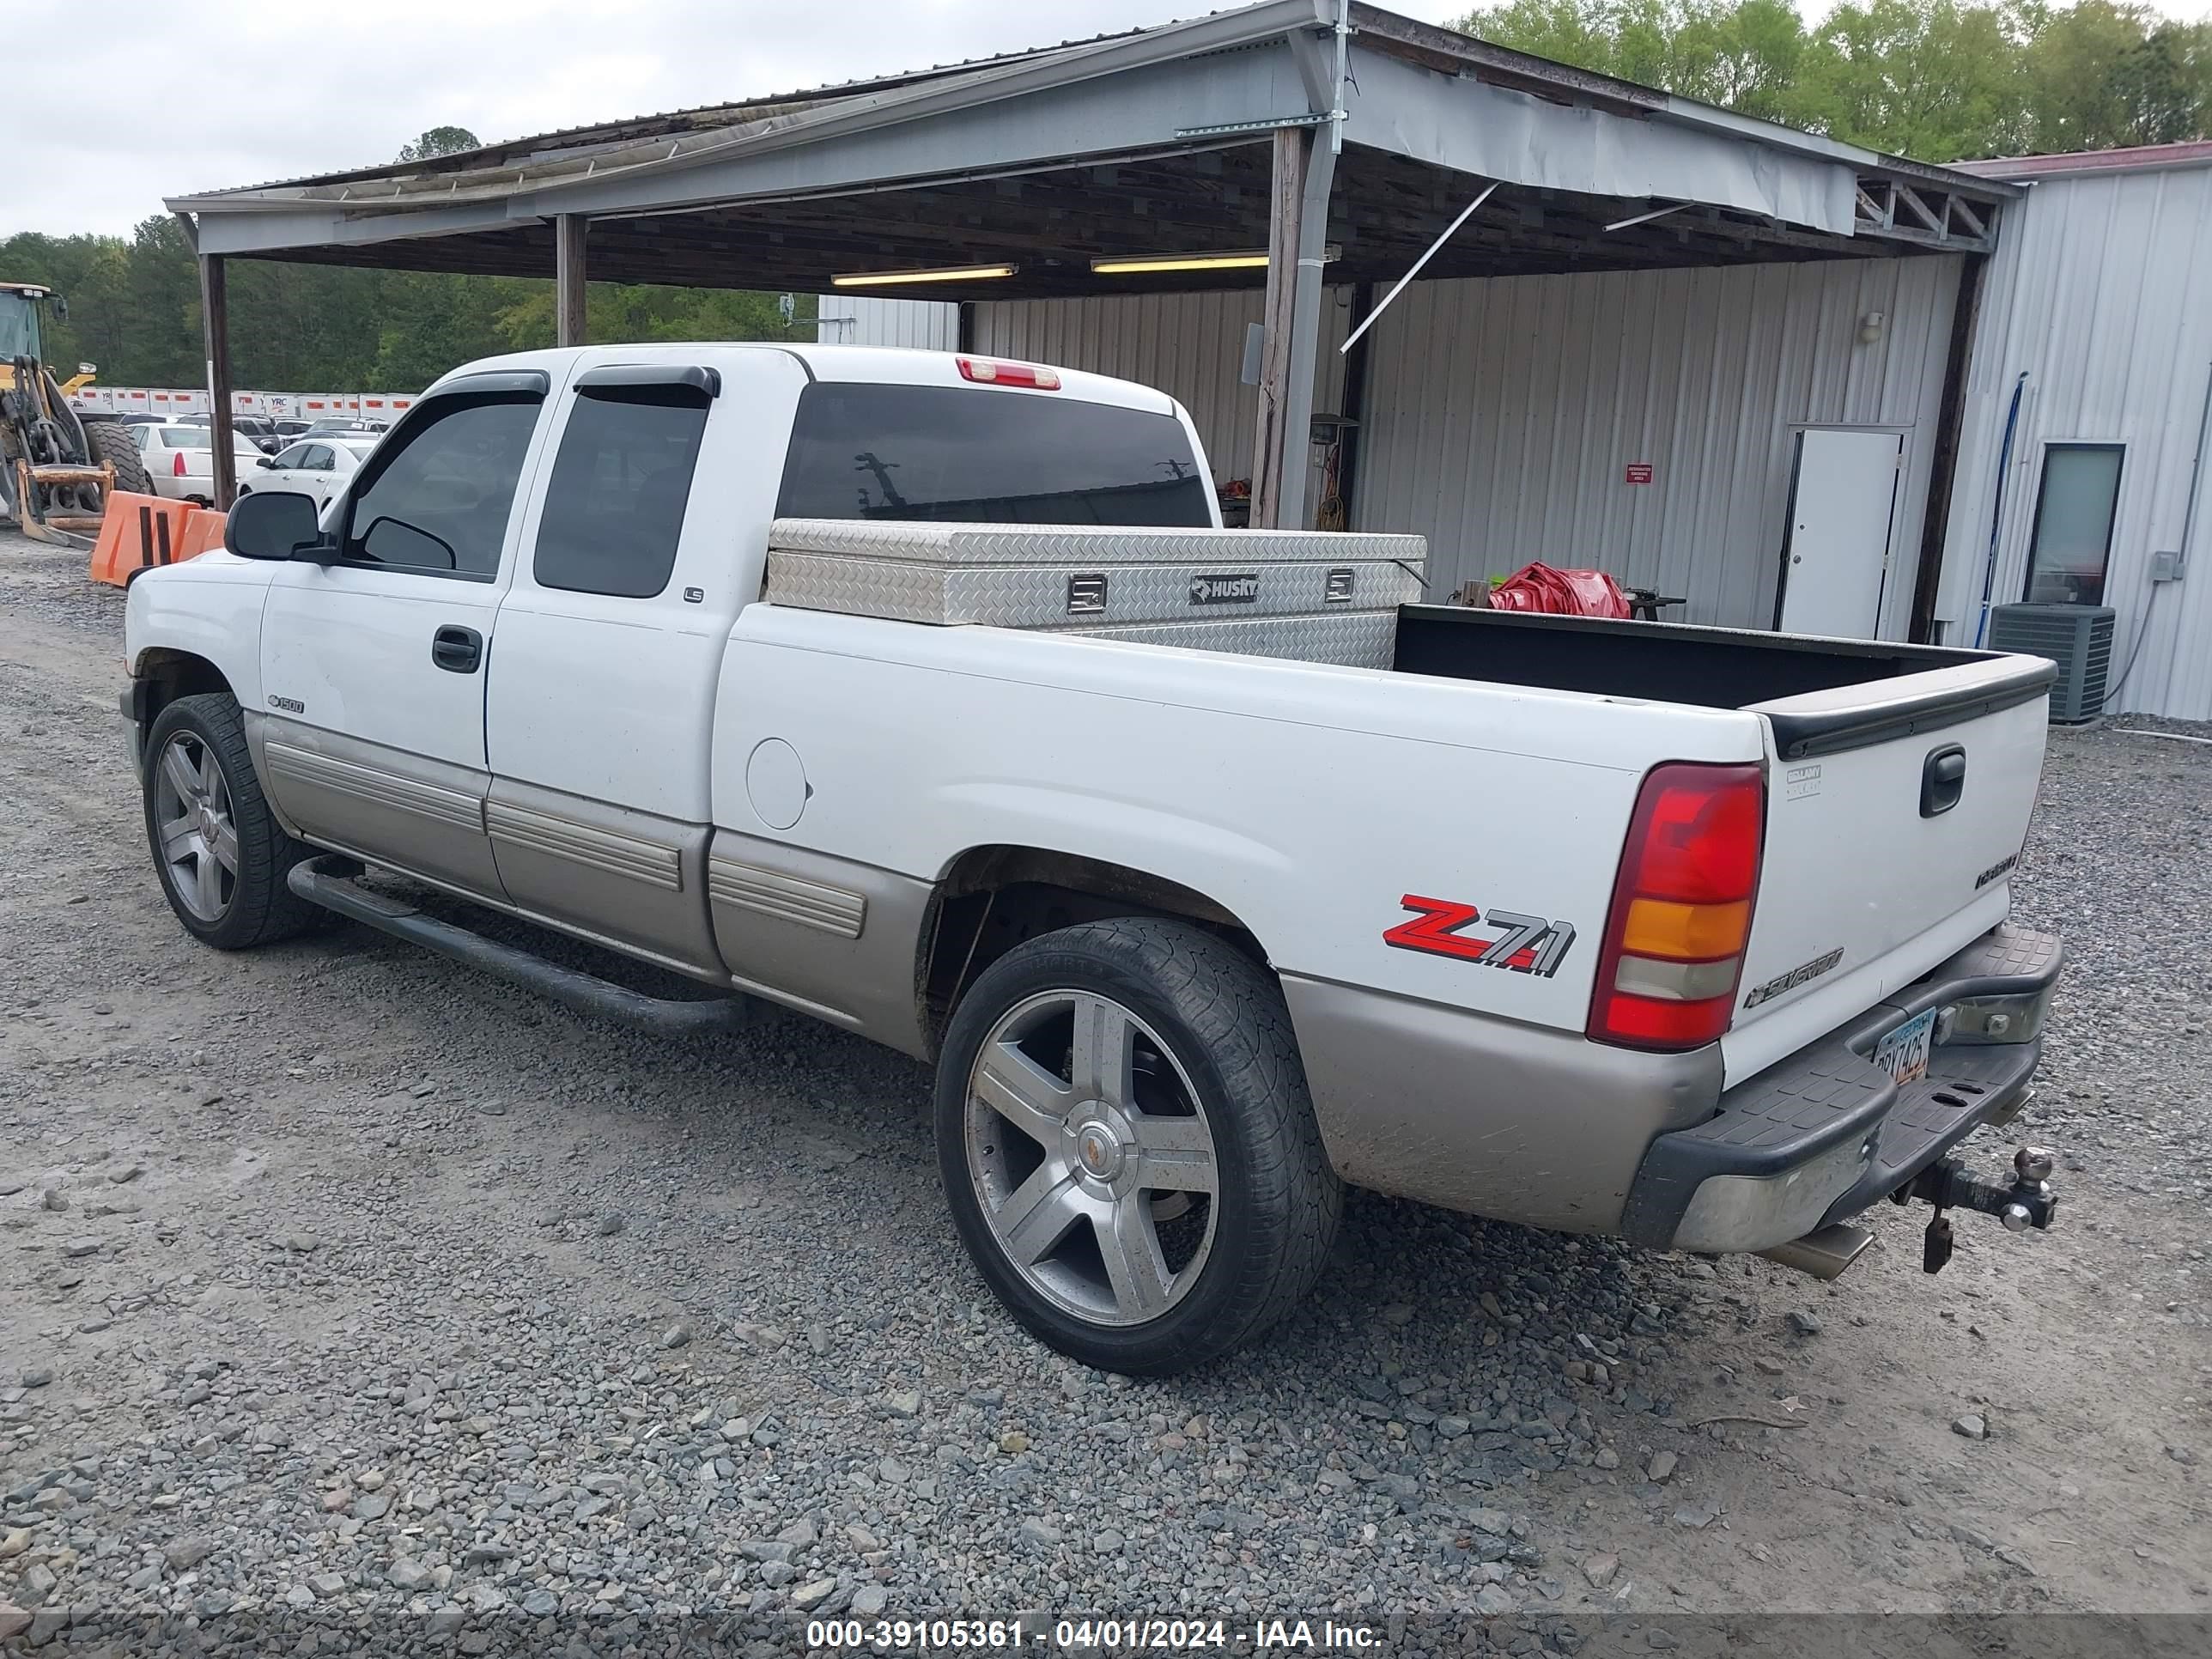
x=1278 y=317
x=1320 y=175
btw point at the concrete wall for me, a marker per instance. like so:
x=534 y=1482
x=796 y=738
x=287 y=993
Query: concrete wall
x=2101 y=292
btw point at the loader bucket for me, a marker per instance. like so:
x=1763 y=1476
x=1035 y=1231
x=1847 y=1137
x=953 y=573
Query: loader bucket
x=64 y=528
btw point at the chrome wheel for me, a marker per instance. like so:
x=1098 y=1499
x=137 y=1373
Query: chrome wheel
x=1091 y=1157
x=193 y=818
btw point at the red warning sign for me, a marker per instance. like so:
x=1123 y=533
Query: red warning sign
x=1639 y=472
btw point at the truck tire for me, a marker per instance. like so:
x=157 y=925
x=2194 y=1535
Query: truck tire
x=220 y=854
x=1150 y=1208
x=108 y=442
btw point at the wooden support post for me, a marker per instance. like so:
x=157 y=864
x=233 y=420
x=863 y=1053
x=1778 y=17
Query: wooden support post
x=1284 y=204
x=568 y=279
x=214 y=324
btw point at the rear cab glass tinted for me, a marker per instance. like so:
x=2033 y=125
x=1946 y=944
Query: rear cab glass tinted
x=981 y=454
x=615 y=504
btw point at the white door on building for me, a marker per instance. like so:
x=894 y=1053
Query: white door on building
x=1841 y=500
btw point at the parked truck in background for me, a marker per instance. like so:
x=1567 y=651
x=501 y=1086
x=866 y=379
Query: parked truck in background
x=1694 y=937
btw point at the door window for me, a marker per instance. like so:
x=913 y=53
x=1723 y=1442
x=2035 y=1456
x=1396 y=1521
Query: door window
x=438 y=503
x=614 y=507
x=292 y=459
x=319 y=459
x=2074 y=514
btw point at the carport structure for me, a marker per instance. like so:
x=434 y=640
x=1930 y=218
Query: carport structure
x=1325 y=141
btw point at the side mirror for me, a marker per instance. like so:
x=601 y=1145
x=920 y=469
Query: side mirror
x=273 y=524
x=265 y=461
x=61 y=307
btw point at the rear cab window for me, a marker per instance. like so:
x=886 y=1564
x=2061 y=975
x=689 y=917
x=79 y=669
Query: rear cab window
x=862 y=450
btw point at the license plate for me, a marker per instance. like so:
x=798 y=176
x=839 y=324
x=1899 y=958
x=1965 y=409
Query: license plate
x=1903 y=1052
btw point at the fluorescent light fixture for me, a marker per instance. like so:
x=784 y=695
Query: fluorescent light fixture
x=1131 y=264
x=899 y=278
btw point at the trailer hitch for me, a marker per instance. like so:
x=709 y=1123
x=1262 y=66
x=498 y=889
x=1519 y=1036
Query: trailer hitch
x=2028 y=1201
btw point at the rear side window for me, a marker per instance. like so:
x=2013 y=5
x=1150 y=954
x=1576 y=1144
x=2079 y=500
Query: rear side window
x=438 y=502
x=959 y=452
x=615 y=507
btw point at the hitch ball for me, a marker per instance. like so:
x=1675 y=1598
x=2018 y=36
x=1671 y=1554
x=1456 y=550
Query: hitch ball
x=2034 y=1165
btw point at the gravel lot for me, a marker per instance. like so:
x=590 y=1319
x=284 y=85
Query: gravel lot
x=341 y=1287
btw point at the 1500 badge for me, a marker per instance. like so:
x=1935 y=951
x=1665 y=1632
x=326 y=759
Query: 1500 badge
x=1527 y=945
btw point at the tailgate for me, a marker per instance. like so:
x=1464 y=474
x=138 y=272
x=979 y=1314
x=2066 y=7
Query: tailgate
x=1895 y=813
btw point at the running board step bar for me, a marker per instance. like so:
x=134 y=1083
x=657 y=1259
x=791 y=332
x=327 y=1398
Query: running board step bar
x=319 y=881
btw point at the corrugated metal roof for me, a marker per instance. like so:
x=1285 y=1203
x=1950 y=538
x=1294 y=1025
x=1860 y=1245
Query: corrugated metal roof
x=2135 y=159
x=582 y=139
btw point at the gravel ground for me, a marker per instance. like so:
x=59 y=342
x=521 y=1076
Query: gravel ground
x=343 y=1290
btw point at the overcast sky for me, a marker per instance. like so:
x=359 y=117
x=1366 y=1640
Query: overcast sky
x=219 y=93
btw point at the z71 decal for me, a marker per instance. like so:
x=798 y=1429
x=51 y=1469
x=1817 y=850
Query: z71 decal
x=1527 y=945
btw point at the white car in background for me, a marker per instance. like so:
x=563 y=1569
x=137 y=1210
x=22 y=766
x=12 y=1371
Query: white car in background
x=314 y=467
x=180 y=461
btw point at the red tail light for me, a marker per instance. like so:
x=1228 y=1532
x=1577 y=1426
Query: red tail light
x=1682 y=907
x=991 y=371
x=178 y=470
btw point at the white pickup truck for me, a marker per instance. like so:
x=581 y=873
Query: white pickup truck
x=1683 y=935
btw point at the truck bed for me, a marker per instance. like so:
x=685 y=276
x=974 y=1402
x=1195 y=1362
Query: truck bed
x=1819 y=695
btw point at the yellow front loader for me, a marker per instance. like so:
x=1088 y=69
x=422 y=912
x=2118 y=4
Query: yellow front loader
x=57 y=466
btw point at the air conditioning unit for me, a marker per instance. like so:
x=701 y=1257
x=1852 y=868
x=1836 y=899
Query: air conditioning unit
x=2077 y=637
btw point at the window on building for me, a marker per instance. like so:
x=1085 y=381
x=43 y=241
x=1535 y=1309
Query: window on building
x=615 y=507
x=2074 y=514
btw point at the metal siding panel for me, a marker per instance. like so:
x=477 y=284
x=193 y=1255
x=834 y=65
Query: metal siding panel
x=861 y=319
x=2101 y=290
x=1506 y=410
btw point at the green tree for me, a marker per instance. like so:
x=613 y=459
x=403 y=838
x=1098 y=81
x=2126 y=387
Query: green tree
x=440 y=141
x=1939 y=80
x=1931 y=79
x=1740 y=53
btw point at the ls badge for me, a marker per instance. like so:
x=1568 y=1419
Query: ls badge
x=1526 y=944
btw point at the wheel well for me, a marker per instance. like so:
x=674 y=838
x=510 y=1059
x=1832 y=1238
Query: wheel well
x=169 y=674
x=992 y=898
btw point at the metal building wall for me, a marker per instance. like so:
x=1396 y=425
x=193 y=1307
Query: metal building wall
x=2101 y=291
x=1502 y=414
x=1189 y=345
x=855 y=320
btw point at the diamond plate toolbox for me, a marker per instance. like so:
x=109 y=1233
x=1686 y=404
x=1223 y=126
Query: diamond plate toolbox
x=1060 y=595
x=1084 y=546
x=1351 y=639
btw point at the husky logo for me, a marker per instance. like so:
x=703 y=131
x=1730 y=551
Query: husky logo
x=1225 y=590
